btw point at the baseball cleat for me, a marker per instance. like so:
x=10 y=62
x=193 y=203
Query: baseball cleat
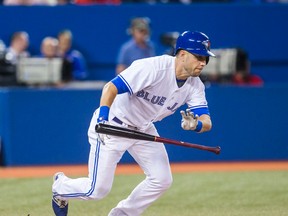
x=60 y=207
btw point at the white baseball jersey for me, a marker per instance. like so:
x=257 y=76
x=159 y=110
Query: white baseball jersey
x=154 y=93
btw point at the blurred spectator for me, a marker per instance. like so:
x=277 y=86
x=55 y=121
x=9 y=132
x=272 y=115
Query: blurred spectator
x=231 y=66
x=49 y=46
x=89 y=2
x=76 y=59
x=2 y=48
x=139 y=46
x=49 y=49
x=18 y=47
x=242 y=75
x=169 y=39
x=7 y=69
x=35 y=2
x=272 y=1
x=14 y=2
x=64 y=2
x=2 y=53
x=163 y=1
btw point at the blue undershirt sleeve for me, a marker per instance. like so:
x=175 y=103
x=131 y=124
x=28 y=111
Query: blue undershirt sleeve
x=201 y=111
x=120 y=85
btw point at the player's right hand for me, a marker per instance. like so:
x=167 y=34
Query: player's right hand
x=189 y=120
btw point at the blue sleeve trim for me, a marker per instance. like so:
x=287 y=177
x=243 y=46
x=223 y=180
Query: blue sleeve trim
x=120 y=85
x=200 y=111
x=127 y=84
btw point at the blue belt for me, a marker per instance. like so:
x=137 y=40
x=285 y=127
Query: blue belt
x=115 y=119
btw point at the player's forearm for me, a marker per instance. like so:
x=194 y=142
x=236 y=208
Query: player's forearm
x=206 y=123
x=109 y=93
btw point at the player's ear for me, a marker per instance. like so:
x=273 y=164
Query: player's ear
x=183 y=53
x=179 y=52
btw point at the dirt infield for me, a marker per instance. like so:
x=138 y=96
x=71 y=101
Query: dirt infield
x=44 y=171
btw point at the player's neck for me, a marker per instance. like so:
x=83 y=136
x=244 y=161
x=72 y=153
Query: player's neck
x=181 y=75
x=180 y=82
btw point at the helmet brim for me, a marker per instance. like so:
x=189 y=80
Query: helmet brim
x=211 y=54
x=201 y=52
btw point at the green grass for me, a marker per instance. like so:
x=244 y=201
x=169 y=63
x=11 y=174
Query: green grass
x=192 y=194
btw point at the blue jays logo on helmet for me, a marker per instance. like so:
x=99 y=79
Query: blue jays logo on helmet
x=207 y=44
x=194 y=42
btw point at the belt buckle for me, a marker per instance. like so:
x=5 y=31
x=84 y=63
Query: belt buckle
x=132 y=127
x=117 y=120
x=129 y=126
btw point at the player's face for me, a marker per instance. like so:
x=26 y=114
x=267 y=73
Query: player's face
x=194 y=64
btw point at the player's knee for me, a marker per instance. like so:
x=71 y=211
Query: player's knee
x=99 y=193
x=167 y=182
x=163 y=182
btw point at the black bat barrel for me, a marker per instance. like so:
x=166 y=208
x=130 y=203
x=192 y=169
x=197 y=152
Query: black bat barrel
x=122 y=132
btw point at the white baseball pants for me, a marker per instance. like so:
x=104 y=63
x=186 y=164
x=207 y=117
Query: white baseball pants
x=151 y=157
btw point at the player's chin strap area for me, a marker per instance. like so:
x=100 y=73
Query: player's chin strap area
x=118 y=121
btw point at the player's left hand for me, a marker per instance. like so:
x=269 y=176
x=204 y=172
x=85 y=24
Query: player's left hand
x=189 y=120
x=102 y=137
x=103 y=118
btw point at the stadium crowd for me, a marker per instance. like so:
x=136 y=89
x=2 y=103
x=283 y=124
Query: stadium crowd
x=117 y=2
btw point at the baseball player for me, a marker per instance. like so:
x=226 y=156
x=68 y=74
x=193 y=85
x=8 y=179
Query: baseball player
x=147 y=91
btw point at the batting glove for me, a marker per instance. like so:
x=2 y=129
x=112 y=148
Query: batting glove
x=189 y=120
x=103 y=118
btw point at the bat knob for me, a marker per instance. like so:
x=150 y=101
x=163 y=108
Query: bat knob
x=218 y=150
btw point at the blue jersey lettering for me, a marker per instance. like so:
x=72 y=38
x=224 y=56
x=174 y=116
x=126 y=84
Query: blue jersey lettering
x=159 y=100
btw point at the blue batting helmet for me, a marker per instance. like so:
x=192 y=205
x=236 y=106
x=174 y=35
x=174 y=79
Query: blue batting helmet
x=194 y=42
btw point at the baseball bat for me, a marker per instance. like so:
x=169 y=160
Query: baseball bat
x=132 y=134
